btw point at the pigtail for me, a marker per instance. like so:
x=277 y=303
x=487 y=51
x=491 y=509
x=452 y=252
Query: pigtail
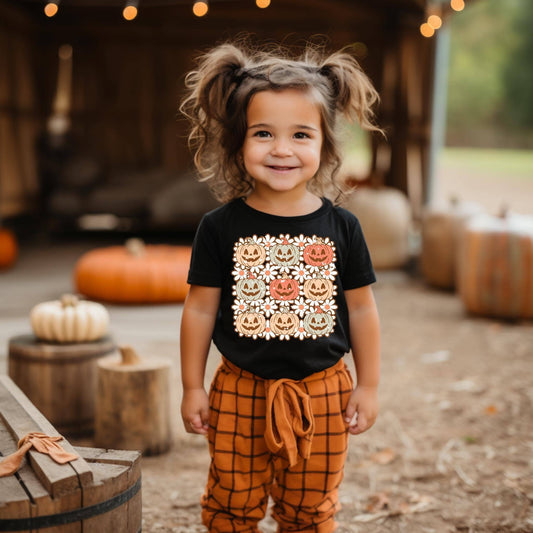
x=353 y=92
x=209 y=88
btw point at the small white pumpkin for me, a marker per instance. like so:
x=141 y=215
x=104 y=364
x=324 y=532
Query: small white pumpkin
x=69 y=320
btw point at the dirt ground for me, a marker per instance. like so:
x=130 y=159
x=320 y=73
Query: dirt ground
x=451 y=450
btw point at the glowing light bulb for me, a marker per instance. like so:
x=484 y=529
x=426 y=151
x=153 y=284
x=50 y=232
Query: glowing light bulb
x=435 y=21
x=457 y=5
x=200 y=8
x=426 y=30
x=262 y=3
x=129 y=12
x=51 y=9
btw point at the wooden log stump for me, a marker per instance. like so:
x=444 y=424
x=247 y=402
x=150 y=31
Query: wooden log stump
x=133 y=405
x=60 y=379
x=96 y=493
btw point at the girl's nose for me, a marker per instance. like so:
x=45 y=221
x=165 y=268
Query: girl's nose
x=281 y=148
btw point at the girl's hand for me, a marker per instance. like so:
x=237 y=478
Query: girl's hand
x=195 y=411
x=362 y=409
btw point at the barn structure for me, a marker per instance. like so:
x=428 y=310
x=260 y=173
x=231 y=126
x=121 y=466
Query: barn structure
x=88 y=101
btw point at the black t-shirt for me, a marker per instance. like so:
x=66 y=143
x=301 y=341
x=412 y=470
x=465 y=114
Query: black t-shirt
x=282 y=311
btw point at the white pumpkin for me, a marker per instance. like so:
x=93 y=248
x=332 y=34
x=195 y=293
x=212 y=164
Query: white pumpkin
x=441 y=227
x=385 y=216
x=69 y=320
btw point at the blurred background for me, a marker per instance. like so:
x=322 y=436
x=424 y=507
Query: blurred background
x=93 y=153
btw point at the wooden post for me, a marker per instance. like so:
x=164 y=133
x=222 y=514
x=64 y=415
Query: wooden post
x=132 y=404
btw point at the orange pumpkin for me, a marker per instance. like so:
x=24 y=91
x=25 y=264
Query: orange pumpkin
x=135 y=273
x=8 y=248
x=495 y=266
x=284 y=289
x=318 y=253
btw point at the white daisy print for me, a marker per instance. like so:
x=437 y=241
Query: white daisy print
x=300 y=273
x=267 y=241
x=329 y=306
x=270 y=272
x=302 y=241
x=239 y=272
x=240 y=306
x=300 y=333
x=268 y=333
x=300 y=306
x=269 y=306
x=329 y=272
x=283 y=239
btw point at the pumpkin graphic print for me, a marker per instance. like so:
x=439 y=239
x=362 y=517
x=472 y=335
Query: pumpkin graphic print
x=284 y=287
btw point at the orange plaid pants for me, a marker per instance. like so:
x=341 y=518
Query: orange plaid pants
x=283 y=438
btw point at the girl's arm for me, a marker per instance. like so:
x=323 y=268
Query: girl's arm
x=197 y=324
x=366 y=350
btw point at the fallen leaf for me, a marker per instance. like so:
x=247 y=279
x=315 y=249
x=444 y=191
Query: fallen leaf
x=491 y=410
x=383 y=457
x=377 y=502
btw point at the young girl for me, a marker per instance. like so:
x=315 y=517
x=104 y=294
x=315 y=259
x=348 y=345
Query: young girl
x=280 y=280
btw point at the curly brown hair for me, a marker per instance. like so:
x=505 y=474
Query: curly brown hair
x=227 y=76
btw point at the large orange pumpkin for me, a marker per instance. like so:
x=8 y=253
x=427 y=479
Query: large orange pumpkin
x=8 y=248
x=495 y=266
x=135 y=273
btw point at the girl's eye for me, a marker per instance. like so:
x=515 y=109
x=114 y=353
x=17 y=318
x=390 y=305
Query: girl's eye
x=262 y=134
x=301 y=135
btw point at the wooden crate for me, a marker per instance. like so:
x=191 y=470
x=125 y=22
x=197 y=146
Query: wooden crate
x=98 y=493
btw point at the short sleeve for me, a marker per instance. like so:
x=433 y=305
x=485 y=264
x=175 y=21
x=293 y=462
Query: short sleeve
x=358 y=270
x=206 y=265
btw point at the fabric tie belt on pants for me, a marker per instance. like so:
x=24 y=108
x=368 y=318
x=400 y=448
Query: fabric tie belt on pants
x=290 y=424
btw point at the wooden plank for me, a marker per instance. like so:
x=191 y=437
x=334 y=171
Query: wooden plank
x=116 y=473
x=23 y=496
x=14 y=502
x=22 y=417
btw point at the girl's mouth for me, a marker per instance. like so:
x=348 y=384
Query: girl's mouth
x=280 y=169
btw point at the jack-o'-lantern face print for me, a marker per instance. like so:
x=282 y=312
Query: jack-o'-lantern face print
x=318 y=324
x=284 y=323
x=318 y=289
x=250 y=254
x=285 y=254
x=251 y=289
x=284 y=287
x=318 y=254
x=250 y=324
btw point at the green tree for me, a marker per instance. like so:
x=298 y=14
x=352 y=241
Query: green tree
x=518 y=71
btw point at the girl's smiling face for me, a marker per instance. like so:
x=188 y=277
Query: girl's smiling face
x=283 y=141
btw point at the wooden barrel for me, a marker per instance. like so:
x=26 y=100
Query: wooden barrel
x=96 y=493
x=60 y=379
x=133 y=404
